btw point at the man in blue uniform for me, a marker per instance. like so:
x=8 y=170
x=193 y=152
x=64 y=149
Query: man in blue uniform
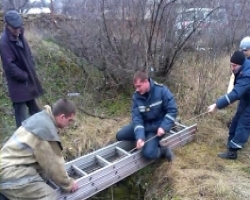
x=245 y=48
x=154 y=112
x=240 y=127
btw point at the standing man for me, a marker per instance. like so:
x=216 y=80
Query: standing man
x=239 y=129
x=153 y=114
x=245 y=47
x=19 y=68
x=34 y=154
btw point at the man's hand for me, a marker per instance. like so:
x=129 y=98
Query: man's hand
x=212 y=108
x=160 y=132
x=75 y=187
x=140 y=143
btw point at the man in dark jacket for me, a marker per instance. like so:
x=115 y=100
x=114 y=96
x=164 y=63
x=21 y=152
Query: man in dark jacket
x=19 y=68
x=153 y=113
x=240 y=127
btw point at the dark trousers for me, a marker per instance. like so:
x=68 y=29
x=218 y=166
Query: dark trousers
x=239 y=129
x=3 y=197
x=20 y=110
x=151 y=149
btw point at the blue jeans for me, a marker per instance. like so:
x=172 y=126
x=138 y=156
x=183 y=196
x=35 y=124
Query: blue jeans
x=151 y=149
x=20 y=110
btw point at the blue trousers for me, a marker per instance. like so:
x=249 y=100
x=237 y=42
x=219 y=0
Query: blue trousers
x=151 y=149
x=3 y=197
x=20 y=110
x=239 y=129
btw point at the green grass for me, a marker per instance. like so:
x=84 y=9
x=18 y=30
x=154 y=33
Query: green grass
x=246 y=170
x=7 y=120
x=119 y=105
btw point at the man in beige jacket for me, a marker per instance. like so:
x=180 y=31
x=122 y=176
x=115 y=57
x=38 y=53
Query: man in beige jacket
x=34 y=154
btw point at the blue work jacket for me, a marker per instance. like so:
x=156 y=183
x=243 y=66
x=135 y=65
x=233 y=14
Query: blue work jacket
x=241 y=90
x=156 y=109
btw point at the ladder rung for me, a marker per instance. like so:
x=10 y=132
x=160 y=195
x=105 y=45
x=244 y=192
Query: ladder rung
x=78 y=171
x=172 y=132
x=122 y=151
x=179 y=124
x=102 y=161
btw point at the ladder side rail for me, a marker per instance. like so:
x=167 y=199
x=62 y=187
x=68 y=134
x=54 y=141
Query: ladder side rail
x=114 y=166
x=178 y=136
x=109 y=171
x=103 y=184
x=90 y=156
x=128 y=163
x=139 y=166
x=179 y=132
x=181 y=143
x=109 y=149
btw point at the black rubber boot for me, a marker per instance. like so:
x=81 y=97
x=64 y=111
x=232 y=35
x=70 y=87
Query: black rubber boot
x=167 y=154
x=230 y=154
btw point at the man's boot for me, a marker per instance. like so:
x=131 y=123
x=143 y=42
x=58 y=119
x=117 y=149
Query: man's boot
x=230 y=154
x=167 y=154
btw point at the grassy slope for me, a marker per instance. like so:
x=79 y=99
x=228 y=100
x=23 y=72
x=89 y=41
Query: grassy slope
x=197 y=172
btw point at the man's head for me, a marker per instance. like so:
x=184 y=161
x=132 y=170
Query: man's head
x=245 y=46
x=13 y=22
x=141 y=82
x=237 y=60
x=64 y=112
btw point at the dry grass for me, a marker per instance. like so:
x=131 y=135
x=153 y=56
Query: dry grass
x=197 y=173
x=89 y=134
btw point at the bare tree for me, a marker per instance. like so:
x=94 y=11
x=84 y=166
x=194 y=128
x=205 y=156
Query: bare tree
x=118 y=37
x=14 y=4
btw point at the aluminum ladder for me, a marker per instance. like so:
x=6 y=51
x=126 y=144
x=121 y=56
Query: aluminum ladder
x=102 y=168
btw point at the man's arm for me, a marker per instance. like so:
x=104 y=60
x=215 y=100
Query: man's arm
x=241 y=86
x=137 y=121
x=50 y=159
x=9 y=66
x=170 y=107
